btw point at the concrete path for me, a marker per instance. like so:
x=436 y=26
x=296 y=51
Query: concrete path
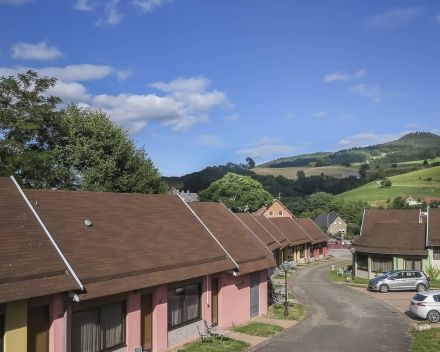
x=339 y=318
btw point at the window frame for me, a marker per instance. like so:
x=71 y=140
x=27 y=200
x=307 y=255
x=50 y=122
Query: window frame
x=124 y=324
x=280 y=213
x=375 y=266
x=436 y=254
x=270 y=212
x=362 y=258
x=187 y=322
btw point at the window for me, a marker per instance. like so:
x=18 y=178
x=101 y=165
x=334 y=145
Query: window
x=339 y=223
x=280 y=213
x=320 y=249
x=386 y=264
x=436 y=298
x=301 y=251
x=98 y=329
x=411 y=264
x=362 y=261
x=270 y=213
x=436 y=253
x=413 y=275
x=183 y=305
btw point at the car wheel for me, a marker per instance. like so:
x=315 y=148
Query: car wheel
x=433 y=316
x=384 y=288
x=421 y=288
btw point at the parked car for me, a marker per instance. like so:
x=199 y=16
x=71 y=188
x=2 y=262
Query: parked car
x=400 y=280
x=426 y=305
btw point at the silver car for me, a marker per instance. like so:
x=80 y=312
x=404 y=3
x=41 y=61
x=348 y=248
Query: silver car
x=426 y=305
x=400 y=280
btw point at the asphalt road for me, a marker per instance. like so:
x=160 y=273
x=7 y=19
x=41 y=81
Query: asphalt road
x=340 y=319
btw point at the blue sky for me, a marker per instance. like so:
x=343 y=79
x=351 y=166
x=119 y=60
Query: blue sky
x=206 y=82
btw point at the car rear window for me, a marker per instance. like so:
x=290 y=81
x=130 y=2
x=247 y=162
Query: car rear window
x=419 y=297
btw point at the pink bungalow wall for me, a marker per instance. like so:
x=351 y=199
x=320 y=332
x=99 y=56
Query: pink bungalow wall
x=234 y=300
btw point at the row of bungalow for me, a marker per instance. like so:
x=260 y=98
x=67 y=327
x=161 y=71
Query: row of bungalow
x=95 y=272
x=397 y=239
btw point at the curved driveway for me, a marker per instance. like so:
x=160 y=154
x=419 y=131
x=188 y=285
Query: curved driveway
x=340 y=319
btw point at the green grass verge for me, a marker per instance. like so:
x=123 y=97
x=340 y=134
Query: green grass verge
x=259 y=329
x=434 y=284
x=296 y=312
x=229 y=345
x=331 y=275
x=426 y=341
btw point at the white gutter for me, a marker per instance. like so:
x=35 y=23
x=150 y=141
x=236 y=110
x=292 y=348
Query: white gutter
x=265 y=229
x=48 y=234
x=363 y=216
x=216 y=240
x=247 y=227
x=427 y=225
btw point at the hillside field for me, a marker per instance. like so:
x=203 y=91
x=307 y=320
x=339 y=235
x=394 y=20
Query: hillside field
x=290 y=172
x=413 y=183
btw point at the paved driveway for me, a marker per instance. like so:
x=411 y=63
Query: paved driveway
x=340 y=319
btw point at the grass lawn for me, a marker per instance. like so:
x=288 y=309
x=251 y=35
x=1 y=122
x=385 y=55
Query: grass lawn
x=434 y=284
x=290 y=172
x=296 y=312
x=229 y=345
x=259 y=329
x=412 y=183
x=331 y=275
x=426 y=341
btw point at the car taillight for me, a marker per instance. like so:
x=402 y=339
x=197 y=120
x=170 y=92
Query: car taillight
x=428 y=278
x=421 y=304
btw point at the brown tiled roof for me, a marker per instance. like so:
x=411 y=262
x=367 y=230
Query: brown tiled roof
x=241 y=244
x=30 y=266
x=133 y=238
x=434 y=227
x=312 y=230
x=429 y=200
x=293 y=232
x=274 y=231
x=392 y=232
x=259 y=230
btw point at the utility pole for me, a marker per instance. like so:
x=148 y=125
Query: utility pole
x=279 y=196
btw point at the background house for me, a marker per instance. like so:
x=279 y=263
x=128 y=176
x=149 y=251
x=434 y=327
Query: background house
x=277 y=209
x=186 y=195
x=334 y=224
x=411 y=201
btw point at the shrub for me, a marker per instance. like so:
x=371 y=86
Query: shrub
x=432 y=271
x=429 y=179
x=394 y=165
x=437 y=163
x=389 y=200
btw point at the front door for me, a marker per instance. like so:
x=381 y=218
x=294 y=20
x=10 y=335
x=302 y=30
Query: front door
x=146 y=321
x=37 y=329
x=214 y=299
x=255 y=294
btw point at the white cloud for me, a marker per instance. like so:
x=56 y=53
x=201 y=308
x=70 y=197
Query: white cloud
x=195 y=84
x=206 y=140
x=369 y=91
x=14 y=2
x=231 y=117
x=290 y=115
x=150 y=5
x=343 y=77
x=395 y=19
x=267 y=151
x=70 y=92
x=369 y=138
x=85 y=72
x=321 y=113
x=411 y=125
x=111 y=12
x=124 y=74
x=35 y=51
x=84 y=5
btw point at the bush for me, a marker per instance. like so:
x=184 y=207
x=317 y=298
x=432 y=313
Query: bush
x=386 y=182
x=394 y=165
x=437 y=163
x=389 y=200
x=429 y=179
x=432 y=271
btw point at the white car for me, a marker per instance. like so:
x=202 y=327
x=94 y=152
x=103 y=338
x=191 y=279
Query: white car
x=426 y=305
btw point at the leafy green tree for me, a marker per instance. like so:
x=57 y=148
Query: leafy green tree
x=311 y=164
x=363 y=170
x=239 y=193
x=398 y=203
x=251 y=162
x=346 y=163
x=300 y=174
x=320 y=200
x=386 y=182
x=69 y=148
x=425 y=163
x=433 y=156
x=381 y=173
x=322 y=161
x=296 y=205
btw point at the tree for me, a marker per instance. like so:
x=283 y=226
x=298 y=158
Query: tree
x=102 y=156
x=322 y=161
x=320 y=200
x=68 y=148
x=386 y=182
x=251 y=162
x=425 y=163
x=363 y=170
x=398 y=203
x=433 y=156
x=300 y=174
x=381 y=174
x=346 y=163
x=239 y=193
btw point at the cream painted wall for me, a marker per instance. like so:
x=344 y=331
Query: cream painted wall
x=276 y=207
x=16 y=326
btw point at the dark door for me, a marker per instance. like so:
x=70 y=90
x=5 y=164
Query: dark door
x=146 y=321
x=214 y=299
x=255 y=294
x=37 y=329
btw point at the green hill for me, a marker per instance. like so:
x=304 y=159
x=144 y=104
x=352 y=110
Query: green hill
x=413 y=146
x=419 y=184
